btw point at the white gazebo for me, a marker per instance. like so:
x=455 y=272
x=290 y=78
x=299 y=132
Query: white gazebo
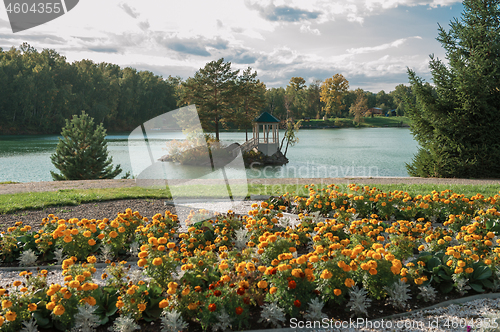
x=266 y=134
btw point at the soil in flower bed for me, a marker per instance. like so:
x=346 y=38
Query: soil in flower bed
x=94 y=210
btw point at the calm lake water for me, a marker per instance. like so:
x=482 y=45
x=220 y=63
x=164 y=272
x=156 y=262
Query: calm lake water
x=319 y=153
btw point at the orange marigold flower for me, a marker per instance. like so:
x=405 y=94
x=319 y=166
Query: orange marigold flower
x=10 y=316
x=262 y=284
x=163 y=304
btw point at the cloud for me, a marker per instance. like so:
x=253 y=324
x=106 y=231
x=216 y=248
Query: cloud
x=129 y=10
x=188 y=47
x=144 y=25
x=218 y=44
x=242 y=56
x=40 y=38
x=283 y=13
x=104 y=49
x=305 y=28
x=382 y=47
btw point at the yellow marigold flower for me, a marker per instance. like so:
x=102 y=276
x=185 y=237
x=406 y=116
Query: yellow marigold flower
x=469 y=270
x=119 y=304
x=186 y=291
x=67 y=238
x=113 y=234
x=74 y=284
x=6 y=304
x=273 y=290
x=157 y=261
x=262 y=284
x=337 y=292
x=192 y=306
x=67 y=294
x=313 y=259
x=58 y=310
x=10 y=316
x=32 y=306
x=87 y=286
x=121 y=229
x=142 y=254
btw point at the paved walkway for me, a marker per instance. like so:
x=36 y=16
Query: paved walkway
x=125 y=183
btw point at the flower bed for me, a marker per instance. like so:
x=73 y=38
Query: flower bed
x=222 y=273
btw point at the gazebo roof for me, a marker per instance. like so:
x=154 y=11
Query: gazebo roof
x=266 y=117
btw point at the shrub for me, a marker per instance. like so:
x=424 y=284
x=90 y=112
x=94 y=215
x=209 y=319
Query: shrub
x=82 y=154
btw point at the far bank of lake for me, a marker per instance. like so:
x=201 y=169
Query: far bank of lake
x=320 y=153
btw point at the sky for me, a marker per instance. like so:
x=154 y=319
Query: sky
x=370 y=42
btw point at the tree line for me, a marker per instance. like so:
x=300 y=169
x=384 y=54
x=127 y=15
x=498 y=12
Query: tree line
x=40 y=90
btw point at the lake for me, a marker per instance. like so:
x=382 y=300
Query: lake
x=320 y=153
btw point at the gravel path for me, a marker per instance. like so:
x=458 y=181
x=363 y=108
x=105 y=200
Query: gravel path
x=124 y=183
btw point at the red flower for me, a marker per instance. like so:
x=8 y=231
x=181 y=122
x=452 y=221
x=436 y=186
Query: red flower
x=212 y=286
x=292 y=284
x=217 y=293
x=246 y=300
x=212 y=307
x=295 y=303
x=231 y=285
x=240 y=291
x=239 y=310
x=273 y=270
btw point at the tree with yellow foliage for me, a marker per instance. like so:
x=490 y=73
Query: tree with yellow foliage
x=331 y=92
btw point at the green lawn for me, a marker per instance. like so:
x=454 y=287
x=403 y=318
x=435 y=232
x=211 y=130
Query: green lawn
x=377 y=121
x=10 y=203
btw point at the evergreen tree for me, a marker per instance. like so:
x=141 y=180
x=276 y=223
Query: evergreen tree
x=82 y=154
x=457 y=124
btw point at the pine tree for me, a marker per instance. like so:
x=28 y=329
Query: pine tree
x=457 y=123
x=82 y=154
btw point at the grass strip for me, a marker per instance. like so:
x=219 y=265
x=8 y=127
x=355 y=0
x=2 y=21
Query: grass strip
x=10 y=203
